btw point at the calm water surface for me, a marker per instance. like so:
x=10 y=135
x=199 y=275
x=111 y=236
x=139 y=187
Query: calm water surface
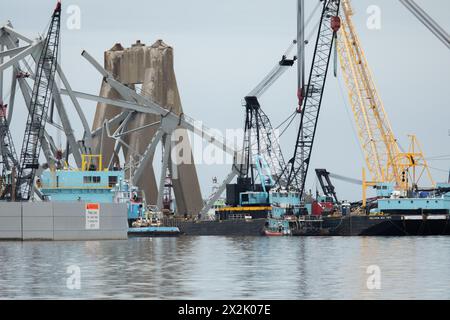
x=228 y=268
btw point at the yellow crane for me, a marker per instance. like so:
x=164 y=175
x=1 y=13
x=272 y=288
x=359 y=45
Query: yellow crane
x=384 y=158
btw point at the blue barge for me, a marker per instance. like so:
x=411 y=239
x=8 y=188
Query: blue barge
x=420 y=213
x=92 y=184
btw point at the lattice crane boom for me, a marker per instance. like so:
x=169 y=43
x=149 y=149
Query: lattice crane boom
x=374 y=130
x=39 y=105
x=382 y=154
x=299 y=163
x=259 y=136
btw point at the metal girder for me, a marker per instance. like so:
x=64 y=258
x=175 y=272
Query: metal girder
x=65 y=121
x=165 y=164
x=149 y=152
x=46 y=140
x=124 y=91
x=112 y=136
x=68 y=130
x=111 y=122
x=26 y=93
x=154 y=108
x=427 y=21
x=117 y=136
x=47 y=143
x=234 y=172
x=118 y=140
x=124 y=133
x=31 y=49
x=184 y=121
x=86 y=127
x=12 y=96
x=12 y=52
x=8 y=29
x=169 y=122
x=270 y=79
x=346 y=179
x=29 y=69
x=283 y=65
x=300 y=50
x=95 y=64
x=1 y=73
x=8 y=153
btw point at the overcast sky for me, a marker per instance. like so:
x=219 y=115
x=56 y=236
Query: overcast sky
x=224 y=48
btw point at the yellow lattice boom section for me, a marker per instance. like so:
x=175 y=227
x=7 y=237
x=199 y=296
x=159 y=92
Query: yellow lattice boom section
x=384 y=160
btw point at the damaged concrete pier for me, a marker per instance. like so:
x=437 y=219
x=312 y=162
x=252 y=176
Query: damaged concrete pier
x=152 y=68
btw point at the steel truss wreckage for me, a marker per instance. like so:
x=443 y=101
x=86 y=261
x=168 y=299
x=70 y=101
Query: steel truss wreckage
x=17 y=51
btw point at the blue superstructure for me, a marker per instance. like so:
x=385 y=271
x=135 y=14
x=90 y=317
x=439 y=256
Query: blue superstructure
x=384 y=189
x=253 y=198
x=420 y=202
x=286 y=207
x=90 y=183
x=284 y=203
x=415 y=204
x=133 y=197
x=79 y=185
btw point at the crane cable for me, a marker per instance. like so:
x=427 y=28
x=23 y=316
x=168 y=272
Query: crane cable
x=292 y=116
x=289 y=124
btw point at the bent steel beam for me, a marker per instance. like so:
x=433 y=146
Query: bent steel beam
x=184 y=121
x=427 y=21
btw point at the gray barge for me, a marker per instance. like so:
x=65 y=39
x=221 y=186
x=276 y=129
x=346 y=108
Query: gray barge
x=62 y=221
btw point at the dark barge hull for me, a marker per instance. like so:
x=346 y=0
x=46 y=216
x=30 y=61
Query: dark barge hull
x=388 y=225
x=252 y=227
x=391 y=225
x=151 y=234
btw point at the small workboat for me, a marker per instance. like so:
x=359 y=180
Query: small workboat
x=271 y=233
x=153 y=231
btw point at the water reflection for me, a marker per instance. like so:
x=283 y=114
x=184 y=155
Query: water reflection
x=228 y=268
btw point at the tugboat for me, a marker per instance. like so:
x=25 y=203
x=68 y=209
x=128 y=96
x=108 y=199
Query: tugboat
x=143 y=220
x=273 y=233
x=289 y=218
